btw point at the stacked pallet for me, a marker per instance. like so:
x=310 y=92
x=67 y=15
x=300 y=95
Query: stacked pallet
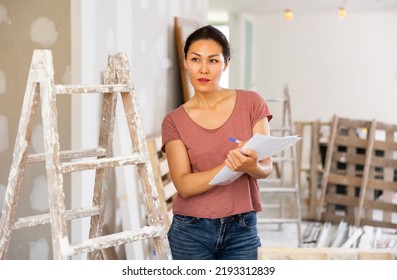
x=359 y=183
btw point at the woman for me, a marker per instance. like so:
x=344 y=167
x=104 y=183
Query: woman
x=214 y=221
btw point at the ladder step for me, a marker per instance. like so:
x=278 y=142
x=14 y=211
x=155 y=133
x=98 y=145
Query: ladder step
x=283 y=159
x=135 y=158
x=116 y=239
x=280 y=128
x=45 y=218
x=271 y=205
x=270 y=181
x=277 y=190
x=277 y=221
x=73 y=89
x=275 y=99
x=67 y=155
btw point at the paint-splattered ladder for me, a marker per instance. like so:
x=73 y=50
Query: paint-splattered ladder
x=40 y=86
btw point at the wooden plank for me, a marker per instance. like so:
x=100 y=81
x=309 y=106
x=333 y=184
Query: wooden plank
x=353 y=238
x=344 y=179
x=158 y=160
x=367 y=166
x=327 y=167
x=315 y=158
x=340 y=235
x=366 y=238
x=324 y=238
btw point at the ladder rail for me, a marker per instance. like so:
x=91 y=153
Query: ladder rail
x=56 y=196
x=102 y=174
x=153 y=208
x=15 y=177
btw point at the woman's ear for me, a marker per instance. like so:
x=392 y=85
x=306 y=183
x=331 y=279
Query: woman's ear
x=226 y=65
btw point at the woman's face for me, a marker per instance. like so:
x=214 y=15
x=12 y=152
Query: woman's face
x=205 y=64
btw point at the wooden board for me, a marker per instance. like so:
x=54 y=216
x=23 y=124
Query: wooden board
x=165 y=187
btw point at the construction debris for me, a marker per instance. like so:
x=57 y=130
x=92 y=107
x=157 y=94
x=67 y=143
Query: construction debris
x=342 y=235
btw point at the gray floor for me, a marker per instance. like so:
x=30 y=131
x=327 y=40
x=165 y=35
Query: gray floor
x=278 y=235
x=273 y=235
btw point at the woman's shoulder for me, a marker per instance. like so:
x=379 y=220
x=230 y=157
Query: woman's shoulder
x=174 y=114
x=249 y=94
x=174 y=111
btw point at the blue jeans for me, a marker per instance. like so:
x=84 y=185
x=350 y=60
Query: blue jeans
x=230 y=238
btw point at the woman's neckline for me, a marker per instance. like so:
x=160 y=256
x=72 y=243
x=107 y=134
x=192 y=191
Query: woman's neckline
x=224 y=123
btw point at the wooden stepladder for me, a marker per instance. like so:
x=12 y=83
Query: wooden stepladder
x=285 y=183
x=40 y=86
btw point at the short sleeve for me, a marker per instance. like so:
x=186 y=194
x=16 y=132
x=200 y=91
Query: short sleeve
x=259 y=109
x=169 y=131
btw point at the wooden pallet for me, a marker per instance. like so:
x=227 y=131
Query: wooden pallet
x=343 y=172
x=359 y=183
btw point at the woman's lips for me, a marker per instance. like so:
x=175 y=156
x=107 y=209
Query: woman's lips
x=203 y=81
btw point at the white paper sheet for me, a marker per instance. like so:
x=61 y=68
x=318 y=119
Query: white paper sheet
x=264 y=146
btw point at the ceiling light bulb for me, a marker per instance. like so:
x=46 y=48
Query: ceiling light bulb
x=288 y=15
x=342 y=13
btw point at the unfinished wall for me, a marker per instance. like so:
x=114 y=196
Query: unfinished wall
x=25 y=26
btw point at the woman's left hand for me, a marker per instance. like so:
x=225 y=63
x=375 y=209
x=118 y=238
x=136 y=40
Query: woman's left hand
x=242 y=160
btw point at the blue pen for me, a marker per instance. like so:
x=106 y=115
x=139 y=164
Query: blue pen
x=234 y=140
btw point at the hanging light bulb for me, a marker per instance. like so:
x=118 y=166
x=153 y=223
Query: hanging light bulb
x=342 y=13
x=288 y=15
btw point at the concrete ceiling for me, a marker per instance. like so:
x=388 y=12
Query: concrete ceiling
x=258 y=7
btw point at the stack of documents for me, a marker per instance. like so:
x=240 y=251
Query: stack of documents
x=264 y=146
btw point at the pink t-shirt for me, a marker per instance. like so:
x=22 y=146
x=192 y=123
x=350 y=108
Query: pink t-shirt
x=208 y=148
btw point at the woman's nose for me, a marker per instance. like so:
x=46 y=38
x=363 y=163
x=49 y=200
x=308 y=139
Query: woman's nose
x=203 y=68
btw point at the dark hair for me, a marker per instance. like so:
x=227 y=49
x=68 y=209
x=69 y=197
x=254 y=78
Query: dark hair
x=209 y=32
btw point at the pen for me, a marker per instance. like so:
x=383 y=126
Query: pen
x=234 y=140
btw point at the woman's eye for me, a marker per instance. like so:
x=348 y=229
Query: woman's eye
x=195 y=59
x=213 y=61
